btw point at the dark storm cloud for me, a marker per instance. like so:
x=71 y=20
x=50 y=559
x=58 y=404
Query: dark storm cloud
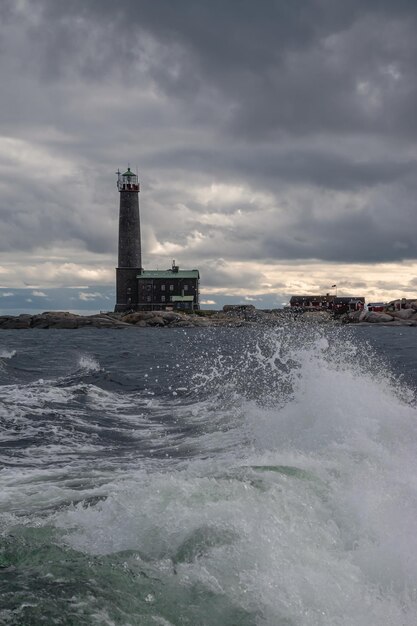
x=317 y=167
x=310 y=102
x=300 y=66
x=355 y=236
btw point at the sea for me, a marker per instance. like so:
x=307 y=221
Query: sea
x=209 y=477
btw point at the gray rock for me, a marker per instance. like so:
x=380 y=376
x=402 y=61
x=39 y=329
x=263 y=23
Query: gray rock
x=60 y=319
x=354 y=316
x=15 y=322
x=316 y=316
x=181 y=324
x=133 y=318
x=64 y=323
x=156 y=320
x=200 y=321
x=40 y=321
x=404 y=314
x=375 y=318
x=170 y=316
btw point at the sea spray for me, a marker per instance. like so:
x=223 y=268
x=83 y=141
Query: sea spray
x=277 y=487
x=7 y=354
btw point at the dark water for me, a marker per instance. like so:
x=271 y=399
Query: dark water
x=209 y=477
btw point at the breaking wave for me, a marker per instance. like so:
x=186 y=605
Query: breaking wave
x=7 y=354
x=276 y=487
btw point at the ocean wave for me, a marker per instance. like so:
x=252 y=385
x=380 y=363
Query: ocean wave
x=279 y=544
x=7 y=354
x=278 y=489
x=89 y=363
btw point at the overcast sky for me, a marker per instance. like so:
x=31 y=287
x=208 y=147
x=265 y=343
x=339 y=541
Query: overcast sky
x=275 y=143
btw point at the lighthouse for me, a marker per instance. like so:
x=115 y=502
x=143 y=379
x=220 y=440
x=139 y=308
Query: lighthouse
x=130 y=254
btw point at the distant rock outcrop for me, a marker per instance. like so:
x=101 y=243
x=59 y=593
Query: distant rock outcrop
x=140 y=319
x=232 y=317
x=400 y=317
x=60 y=319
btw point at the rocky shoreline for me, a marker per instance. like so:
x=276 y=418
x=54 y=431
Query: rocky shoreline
x=389 y=317
x=230 y=317
x=139 y=319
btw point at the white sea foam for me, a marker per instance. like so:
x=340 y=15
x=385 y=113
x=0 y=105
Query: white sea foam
x=299 y=510
x=313 y=519
x=35 y=395
x=7 y=354
x=89 y=363
x=23 y=490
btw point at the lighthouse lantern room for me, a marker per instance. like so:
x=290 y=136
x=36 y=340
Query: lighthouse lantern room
x=127 y=181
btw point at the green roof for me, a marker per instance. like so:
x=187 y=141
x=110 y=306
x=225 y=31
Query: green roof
x=129 y=173
x=169 y=274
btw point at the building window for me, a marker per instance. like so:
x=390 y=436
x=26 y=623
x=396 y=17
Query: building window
x=149 y=298
x=171 y=287
x=185 y=287
x=162 y=287
x=162 y=298
x=149 y=287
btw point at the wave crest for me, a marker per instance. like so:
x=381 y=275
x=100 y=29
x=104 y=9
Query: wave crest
x=7 y=354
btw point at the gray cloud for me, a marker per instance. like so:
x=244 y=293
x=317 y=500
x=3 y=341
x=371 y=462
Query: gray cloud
x=328 y=169
x=301 y=113
x=292 y=67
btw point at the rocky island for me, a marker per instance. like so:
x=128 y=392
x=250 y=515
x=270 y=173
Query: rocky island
x=140 y=319
x=230 y=316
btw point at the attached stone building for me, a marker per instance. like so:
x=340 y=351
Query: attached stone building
x=168 y=289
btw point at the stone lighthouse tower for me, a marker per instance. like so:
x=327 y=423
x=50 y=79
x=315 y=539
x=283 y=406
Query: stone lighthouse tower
x=130 y=255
